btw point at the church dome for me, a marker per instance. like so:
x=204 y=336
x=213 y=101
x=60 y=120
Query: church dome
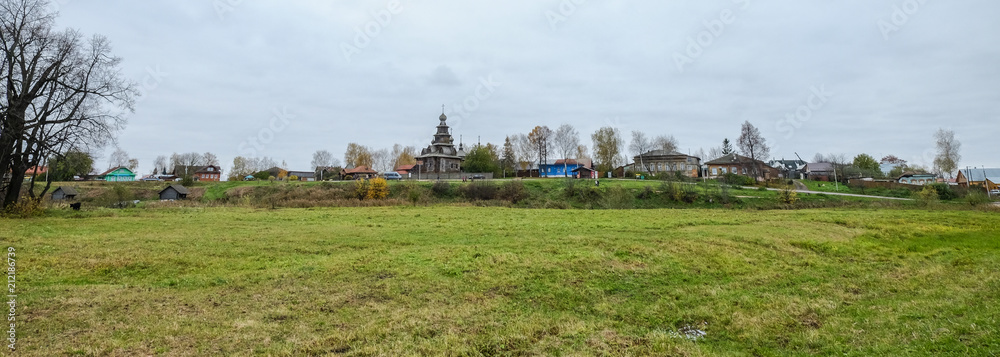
x=443 y=117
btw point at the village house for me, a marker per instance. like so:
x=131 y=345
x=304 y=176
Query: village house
x=118 y=174
x=793 y=169
x=563 y=167
x=303 y=175
x=979 y=177
x=357 y=173
x=667 y=162
x=740 y=165
x=819 y=171
x=208 y=173
x=911 y=178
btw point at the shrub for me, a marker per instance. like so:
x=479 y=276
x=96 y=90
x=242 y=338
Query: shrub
x=734 y=179
x=944 y=191
x=378 y=189
x=360 y=189
x=293 y=178
x=617 y=198
x=688 y=194
x=670 y=190
x=441 y=189
x=26 y=207
x=479 y=191
x=646 y=193
x=513 y=191
x=977 y=198
x=787 y=195
x=927 y=196
x=570 y=189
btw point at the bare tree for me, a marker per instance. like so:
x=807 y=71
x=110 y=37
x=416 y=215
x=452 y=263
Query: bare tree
x=567 y=141
x=714 y=153
x=640 y=145
x=665 y=142
x=754 y=146
x=322 y=159
x=60 y=92
x=948 y=156
x=160 y=164
x=209 y=159
x=119 y=158
x=582 y=153
x=381 y=160
x=522 y=147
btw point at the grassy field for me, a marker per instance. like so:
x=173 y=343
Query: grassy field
x=500 y=281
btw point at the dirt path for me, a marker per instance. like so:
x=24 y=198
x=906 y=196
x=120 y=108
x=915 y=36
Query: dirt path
x=799 y=186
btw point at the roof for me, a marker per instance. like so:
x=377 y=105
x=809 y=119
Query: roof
x=581 y=168
x=732 y=159
x=664 y=153
x=36 y=170
x=105 y=173
x=204 y=169
x=302 y=174
x=978 y=175
x=583 y=162
x=819 y=167
x=360 y=170
x=66 y=190
x=405 y=167
x=180 y=189
x=788 y=164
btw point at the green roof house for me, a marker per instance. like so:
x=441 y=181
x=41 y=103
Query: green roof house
x=118 y=174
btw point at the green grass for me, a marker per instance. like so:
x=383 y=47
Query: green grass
x=500 y=281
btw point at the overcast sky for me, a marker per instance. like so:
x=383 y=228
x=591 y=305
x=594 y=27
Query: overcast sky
x=856 y=76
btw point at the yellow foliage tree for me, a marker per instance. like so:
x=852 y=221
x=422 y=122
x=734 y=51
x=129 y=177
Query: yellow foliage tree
x=378 y=189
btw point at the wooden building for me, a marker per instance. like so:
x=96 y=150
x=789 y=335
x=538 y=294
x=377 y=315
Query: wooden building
x=174 y=192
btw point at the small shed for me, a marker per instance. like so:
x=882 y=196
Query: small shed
x=64 y=193
x=174 y=192
x=584 y=172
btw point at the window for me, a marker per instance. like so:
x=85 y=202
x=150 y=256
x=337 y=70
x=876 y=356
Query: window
x=715 y=171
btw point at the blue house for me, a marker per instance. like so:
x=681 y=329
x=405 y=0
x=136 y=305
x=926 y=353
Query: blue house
x=563 y=167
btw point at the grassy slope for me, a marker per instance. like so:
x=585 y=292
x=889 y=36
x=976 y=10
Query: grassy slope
x=471 y=281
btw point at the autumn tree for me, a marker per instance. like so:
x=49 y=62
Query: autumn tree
x=607 y=148
x=61 y=91
x=566 y=140
x=357 y=155
x=403 y=155
x=753 y=145
x=522 y=146
x=948 y=156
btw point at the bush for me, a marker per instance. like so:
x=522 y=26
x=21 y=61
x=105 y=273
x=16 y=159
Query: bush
x=977 y=198
x=734 y=179
x=513 y=191
x=688 y=194
x=378 y=189
x=441 y=189
x=617 y=198
x=479 y=191
x=360 y=189
x=927 y=196
x=787 y=195
x=570 y=189
x=944 y=191
x=670 y=190
x=26 y=207
x=646 y=193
